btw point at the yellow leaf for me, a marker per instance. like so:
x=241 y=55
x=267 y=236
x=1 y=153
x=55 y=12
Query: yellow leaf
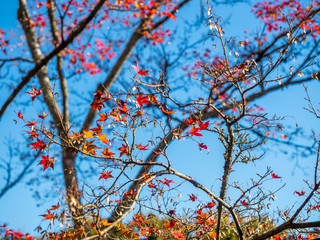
x=88 y=147
x=88 y=134
x=105 y=222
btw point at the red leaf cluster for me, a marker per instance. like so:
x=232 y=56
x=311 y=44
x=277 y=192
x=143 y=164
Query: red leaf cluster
x=47 y=162
x=34 y=93
x=106 y=175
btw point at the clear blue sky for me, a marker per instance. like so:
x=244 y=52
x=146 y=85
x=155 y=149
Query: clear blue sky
x=19 y=209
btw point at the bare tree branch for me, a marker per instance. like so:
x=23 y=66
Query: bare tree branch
x=117 y=67
x=59 y=64
x=45 y=60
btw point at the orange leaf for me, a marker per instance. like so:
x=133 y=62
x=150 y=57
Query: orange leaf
x=98 y=129
x=103 y=138
x=103 y=117
x=167 y=111
x=212 y=235
x=54 y=207
x=106 y=152
x=178 y=235
x=202 y=218
x=49 y=216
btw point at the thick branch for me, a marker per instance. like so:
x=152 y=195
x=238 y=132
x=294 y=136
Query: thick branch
x=34 y=47
x=153 y=157
x=59 y=64
x=127 y=211
x=73 y=197
x=226 y=173
x=44 y=61
x=290 y=224
x=219 y=199
x=117 y=67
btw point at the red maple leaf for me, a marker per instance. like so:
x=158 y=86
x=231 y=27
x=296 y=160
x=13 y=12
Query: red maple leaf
x=300 y=193
x=33 y=134
x=141 y=72
x=34 y=93
x=244 y=203
x=273 y=175
x=20 y=114
x=43 y=116
x=97 y=105
x=143 y=148
x=201 y=145
x=194 y=132
x=166 y=182
x=50 y=216
x=192 y=197
x=199 y=211
x=99 y=100
x=106 y=175
x=30 y=124
x=142 y=99
x=190 y=120
x=203 y=126
x=124 y=150
x=170 y=224
x=47 y=162
x=98 y=129
x=38 y=144
x=54 y=207
x=210 y=205
x=151 y=185
x=276 y=237
x=172 y=212
x=103 y=117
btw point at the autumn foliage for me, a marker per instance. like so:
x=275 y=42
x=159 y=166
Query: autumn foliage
x=111 y=144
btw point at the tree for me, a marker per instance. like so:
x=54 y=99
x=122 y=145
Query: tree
x=225 y=86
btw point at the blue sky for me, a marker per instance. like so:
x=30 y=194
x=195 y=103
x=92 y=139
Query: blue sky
x=19 y=209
